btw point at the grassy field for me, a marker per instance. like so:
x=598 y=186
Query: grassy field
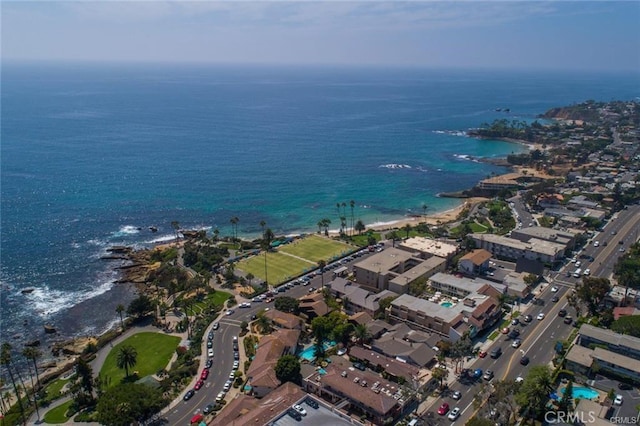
x=280 y=267
x=316 y=248
x=212 y=300
x=53 y=389
x=154 y=352
x=57 y=415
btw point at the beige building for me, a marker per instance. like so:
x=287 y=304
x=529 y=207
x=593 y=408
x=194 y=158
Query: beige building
x=428 y=247
x=394 y=269
x=512 y=249
x=474 y=262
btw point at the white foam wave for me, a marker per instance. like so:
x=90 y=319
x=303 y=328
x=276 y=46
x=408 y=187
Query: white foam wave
x=451 y=132
x=440 y=132
x=395 y=166
x=48 y=301
x=126 y=230
x=462 y=156
x=161 y=239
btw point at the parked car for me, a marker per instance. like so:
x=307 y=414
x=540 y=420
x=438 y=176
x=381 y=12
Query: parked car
x=300 y=410
x=568 y=320
x=617 y=400
x=528 y=318
x=524 y=360
x=311 y=403
x=198 y=385
x=209 y=363
x=540 y=316
x=554 y=289
x=443 y=409
x=488 y=375
x=482 y=354
x=210 y=353
x=294 y=414
x=515 y=321
x=516 y=343
x=555 y=299
x=624 y=386
x=456 y=395
x=216 y=326
x=189 y=394
x=204 y=374
x=454 y=414
x=477 y=373
x=208 y=408
x=514 y=333
x=359 y=366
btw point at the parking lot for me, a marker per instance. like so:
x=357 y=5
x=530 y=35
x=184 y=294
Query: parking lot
x=320 y=416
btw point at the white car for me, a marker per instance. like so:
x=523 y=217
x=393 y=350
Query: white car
x=587 y=271
x=596 y=244
x=300 y=410
x=210 y=353
x=342 y=351
x=229 y=312
x=554 y=289
x=236 y=365
x=618 y=400
x=454 y=414
x=516 y=343
x=519 y=379
x=578 y=263
x=540 y=316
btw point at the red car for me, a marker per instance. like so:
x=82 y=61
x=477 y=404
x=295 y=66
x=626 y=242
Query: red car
x=204 y=375
x=444 y=409
x=482 y=354
x=198 y=385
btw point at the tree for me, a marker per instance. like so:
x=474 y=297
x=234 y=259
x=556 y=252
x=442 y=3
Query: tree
x=361 y=333
x=499 y=395
x=322 y=264
x=262 y=225
x=33 y=354
x=359 y=226
x=82 y=387
x=5 y=361
x=287 y=369
x=535 y=390
x=440 y=374
x=574 y=302
x=243 y=326
x=286 y=304
x=479 y=421
x=264 y=323
x=407 y=229
x=530 y=279
x=386 y=302
x=319 y=351
x=120 y=309
x=129 y=403
x=565 y=405
x=140 y=306
x=176 y=227
x=592 y=291
x=127 y=357
x=234 y=227
x=352 y=204
x=627 y=325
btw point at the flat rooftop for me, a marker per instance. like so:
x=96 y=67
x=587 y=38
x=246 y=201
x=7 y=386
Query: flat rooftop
x=431 y=246
x=385 y=260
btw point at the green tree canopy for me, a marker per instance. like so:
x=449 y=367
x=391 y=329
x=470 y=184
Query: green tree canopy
x=286 y=304
x=140 y=306
x=127 y=357
x=533 y=395
x=129 y=403
x=288 y=369
x=592 y=291
x=627 y=325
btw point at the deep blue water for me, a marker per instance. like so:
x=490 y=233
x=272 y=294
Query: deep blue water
x=91 y=153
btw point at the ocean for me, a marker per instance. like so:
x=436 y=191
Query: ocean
x=92 y=155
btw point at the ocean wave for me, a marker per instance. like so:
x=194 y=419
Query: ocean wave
x=451 y=132
x=47 y=302
x=394 y=166
x=161 y=239
x=125 y=230
x=462 y=156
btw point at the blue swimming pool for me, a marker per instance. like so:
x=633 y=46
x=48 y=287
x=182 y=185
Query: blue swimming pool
x=446 y=304
x=580 y=392
x=309 y=353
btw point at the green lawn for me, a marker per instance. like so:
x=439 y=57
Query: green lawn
x=53 y=389
x=478 y=228
x=154 y=352
x=316 y=248
x=280 y=267
x=212 y=300
x=57 y=415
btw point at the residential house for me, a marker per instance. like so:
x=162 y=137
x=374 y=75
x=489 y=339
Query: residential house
x=261 y=375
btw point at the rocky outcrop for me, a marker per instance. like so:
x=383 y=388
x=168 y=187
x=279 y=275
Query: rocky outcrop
x=49 y=329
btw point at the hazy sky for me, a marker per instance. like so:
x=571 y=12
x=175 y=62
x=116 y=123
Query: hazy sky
x=499 y=34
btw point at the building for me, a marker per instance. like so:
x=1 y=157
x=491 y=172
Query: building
x=394 y=265
x=383 y=402
x=313 y=305
x=284 y=320
x=357 y=299
x=498 y=183
x=512 y=249
x=565 y=238
x=451 y=318
x=261 y=375
x=586 y=360
x=591 y=337
x=461 y=287
x=428 y=247
x=475 y=262
x=392 y=367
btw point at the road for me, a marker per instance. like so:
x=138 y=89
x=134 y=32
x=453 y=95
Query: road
x=180 y=411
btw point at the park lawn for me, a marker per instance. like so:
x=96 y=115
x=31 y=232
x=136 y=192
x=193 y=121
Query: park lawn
x=316 y=248
x=214 y=300
x=478 y=228
x=53 y=389
x=280 y=267
x=362 y=240
x=154 y=352
x=57 y=415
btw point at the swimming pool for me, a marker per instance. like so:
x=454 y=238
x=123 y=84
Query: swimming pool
x=582 y=392
x=309 y=353
x=446 y=304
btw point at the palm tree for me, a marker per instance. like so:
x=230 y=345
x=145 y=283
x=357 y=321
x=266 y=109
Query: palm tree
x=127 y=358
x=262 y=225
x=325 y=224
x=120 y=309
x=176 y=226
x=322 y=264
x=33 y=354
x=5 y=360
x=353 y=205
x=216 y=234
x=359 y=226
x=264 y=323
x=234 y=227
x=407 y=229
x=440 y=374
x=361 y=333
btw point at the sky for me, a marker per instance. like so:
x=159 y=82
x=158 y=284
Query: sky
x=584 y=35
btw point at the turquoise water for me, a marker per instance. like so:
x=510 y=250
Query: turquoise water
x=322 y=371
x=92 y=155
x=309 y=353
x=582 y=392
x=446 y=304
